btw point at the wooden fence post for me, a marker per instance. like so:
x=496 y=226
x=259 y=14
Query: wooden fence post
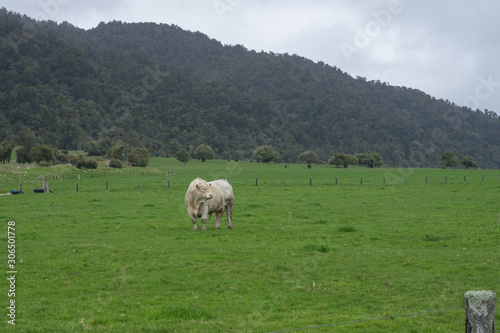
x=168 y=182
x=20 y=185
x=76 y=187
x=310 y=181
x=383 y=181
x=479 y=311
x=138 y=184
x=361 y=182
x=335 y=181
x=464 y=178
x=446 y=179
x=106 y=186
x=283 y=182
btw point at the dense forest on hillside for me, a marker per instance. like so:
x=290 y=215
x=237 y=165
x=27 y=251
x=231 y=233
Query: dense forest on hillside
x=164 y=88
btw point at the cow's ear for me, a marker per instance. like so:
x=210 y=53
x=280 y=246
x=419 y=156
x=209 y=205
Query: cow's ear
x=209 y=184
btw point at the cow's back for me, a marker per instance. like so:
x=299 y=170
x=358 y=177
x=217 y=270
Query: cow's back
x=224 y=189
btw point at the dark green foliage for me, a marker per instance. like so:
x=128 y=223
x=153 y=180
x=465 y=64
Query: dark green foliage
x=116 y=152
x=81 y=162
x=139 y=157
x=370 y=160
x=24 y=155
x=469 y=162
x=266 y=154
x=204 y=152
x=62 y=157
x=183 y=156
x=343 y=159
x=6 y=148
x=97 y=148
x=43 y=154
x=309 y=157
x=91 y=164
x=450 y=159
x=164 y=88
x=114 y=163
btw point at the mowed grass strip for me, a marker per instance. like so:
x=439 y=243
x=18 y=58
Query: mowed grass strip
x=298 y=255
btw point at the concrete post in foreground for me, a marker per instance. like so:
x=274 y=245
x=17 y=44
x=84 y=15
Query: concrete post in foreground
x=480 y=312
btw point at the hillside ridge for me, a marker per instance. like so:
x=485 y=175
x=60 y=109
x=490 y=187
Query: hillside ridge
x=165 y=88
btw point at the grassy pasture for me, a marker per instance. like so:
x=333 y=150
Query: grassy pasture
x=298 y=256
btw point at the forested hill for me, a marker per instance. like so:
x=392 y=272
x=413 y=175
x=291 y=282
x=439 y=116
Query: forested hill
x=165 y=88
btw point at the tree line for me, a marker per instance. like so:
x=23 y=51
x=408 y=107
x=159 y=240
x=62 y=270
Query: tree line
x=159 y=87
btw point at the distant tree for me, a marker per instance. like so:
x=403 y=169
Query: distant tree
x=204 y=152
x=116 y=152
x=266 y=154
x=183 y=156
x=343 y=159
x=97 y=148
x=309 y=157
x=370 y=160
x=24 y=153
x=469 y=162
x=6 y=148
x=43 y=154
x=138 y=157
x=450 y=159
x=237 y=155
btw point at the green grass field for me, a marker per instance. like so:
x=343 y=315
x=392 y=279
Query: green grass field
x=298 y=256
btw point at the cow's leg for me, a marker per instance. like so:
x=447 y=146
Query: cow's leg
x=218 y=216
x=229 y=213
x=204 y=217
x=194 y=223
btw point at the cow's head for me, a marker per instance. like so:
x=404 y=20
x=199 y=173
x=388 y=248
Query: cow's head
x=204 y=189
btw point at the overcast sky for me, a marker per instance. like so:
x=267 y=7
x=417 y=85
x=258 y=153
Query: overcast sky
x=449 y=49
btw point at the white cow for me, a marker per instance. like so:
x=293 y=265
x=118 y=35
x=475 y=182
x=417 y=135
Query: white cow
x=203 y=199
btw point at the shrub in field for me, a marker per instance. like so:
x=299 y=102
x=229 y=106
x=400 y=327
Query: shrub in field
x=183 y=156
x=370 y=160
x=80 y=162
x=450 y=159
x=343 y=159
x=116 y=152
x=139 y=157
x=6 y=149
x=309 y=157
x=469 y=162
x=43 y=154
x=204 y=152
x=114 y=163
x=266 y=154
x=90 y=163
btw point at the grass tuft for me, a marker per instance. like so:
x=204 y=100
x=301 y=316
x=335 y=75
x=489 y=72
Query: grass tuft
x=347 y=229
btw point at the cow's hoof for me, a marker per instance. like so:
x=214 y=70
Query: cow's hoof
x=203 y=229
x=230 y=227
x=194 y=228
